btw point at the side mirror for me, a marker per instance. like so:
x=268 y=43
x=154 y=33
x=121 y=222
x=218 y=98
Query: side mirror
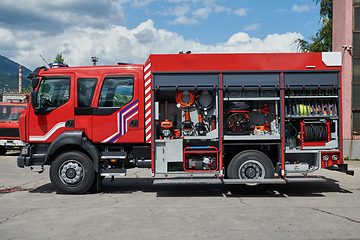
x=34 y=82
x=33 y=96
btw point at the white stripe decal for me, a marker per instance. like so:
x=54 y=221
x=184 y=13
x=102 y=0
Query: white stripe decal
x=148 y=103
x=147 y=67
x=147 y=75
x=118 y=131
x=128 y=119
x=147 y=82
x=123 y=119
x=147 y=90
x=130 y=109
x=48 y=134
x=147 y=98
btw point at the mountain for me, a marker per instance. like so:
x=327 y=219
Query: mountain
x=9 y=75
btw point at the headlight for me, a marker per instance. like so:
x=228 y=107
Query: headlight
x=25 y=151
x=334 y=157
x=325 y=157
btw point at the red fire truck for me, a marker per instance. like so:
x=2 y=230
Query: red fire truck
x=249 y=120
x=9 y=126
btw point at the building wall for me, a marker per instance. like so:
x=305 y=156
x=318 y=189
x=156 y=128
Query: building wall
x=12 y=97
x=343 y=35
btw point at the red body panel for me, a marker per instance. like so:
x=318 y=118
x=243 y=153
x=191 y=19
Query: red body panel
x=9 y=118
x=216 y=62
x=99 y=128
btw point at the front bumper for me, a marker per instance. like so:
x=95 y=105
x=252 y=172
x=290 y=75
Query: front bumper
x=12 y=143
x=21 y=161
x=28 y=157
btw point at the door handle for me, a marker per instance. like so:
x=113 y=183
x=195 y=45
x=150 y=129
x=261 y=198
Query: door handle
x=70 y=123
x=133 y=123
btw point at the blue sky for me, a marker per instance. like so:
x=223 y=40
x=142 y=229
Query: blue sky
x=128 y=31
x=213 y=22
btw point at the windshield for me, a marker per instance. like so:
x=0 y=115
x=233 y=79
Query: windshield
x=10 y=113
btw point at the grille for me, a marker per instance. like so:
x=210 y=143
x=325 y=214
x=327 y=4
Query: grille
x=9 y=132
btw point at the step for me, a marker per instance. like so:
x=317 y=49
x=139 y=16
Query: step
x=187 y=181
x=113 y=172
x=305 y=179
x=250 y=181
x=113 y=155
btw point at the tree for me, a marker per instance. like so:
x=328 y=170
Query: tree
x=27 y=90
x=322 y=41
x=59 y=59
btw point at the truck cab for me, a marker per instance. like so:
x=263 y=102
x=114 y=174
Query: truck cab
x=70 y=104
x=9 y=126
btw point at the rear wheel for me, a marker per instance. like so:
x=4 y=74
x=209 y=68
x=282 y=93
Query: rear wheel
x=251 y=164
x=72 y=172
x=3 y=150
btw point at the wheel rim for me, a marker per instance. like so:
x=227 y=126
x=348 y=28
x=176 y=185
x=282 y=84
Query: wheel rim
x=71 y=172
x=251 y=169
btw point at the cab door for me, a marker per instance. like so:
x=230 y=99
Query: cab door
x=116 y=117
x=54 y=112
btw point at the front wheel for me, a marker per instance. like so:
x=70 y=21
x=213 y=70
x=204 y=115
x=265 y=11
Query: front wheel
x=251 y=164
x=72 y=172
x=3 y=150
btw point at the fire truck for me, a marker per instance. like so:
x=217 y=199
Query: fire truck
x=247 y=120
x=9 y=126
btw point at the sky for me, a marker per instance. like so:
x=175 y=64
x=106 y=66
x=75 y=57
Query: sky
x=130 y=30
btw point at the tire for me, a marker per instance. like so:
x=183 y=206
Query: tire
x=72 y=172
x=251 y=164
x=3 y=150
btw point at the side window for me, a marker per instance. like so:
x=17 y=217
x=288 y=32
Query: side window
x=116 y=91
x=85 y=91
x=53 y=92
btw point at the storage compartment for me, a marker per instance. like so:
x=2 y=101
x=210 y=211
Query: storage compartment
x=201 y=158
x=186 y=113
x=251 y=117
x=311 y=114
x=296 y=106
x=167 y=151
x=301 y=163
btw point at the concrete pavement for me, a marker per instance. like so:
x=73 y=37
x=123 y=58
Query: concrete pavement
x=133 y=208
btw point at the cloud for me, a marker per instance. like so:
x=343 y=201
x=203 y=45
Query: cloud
x=299 y=9
x=51 y=17
x=141 y=3
x=218 y=8
x=182 y=10
x=202 y=12
x=199 y=9
x=252 y=27
x=240 y=12
x=120 y=44
x=184 y=21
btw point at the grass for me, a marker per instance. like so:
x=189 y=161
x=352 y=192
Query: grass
x=352 y=159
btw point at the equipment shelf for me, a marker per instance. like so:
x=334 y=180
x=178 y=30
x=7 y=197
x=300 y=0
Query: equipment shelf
x=252 y=99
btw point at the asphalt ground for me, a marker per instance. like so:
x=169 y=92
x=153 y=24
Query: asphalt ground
x=133 y=208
